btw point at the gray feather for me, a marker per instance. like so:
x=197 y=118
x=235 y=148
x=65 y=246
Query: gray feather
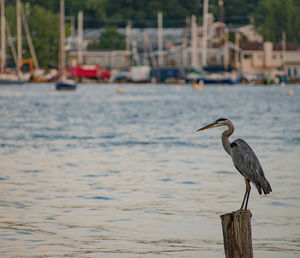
x=248 y=165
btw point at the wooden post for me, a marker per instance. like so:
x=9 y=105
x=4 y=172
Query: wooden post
x=237 y=234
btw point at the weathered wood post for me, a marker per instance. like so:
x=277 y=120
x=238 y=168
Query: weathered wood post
x=237 y=234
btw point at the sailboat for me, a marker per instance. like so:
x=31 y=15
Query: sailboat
x=11 y=77
x=63 y=83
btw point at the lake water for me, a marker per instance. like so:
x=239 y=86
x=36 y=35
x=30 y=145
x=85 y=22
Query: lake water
x=94 y=173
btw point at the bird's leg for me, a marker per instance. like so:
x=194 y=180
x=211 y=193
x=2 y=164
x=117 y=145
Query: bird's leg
x=248 y=187
x=244 y=196
x=246 y=193
x=243 y=200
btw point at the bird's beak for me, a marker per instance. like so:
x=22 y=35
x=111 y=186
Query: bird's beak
x=212 y=125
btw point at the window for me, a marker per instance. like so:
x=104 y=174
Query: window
x=248 y=56
x=295 y=72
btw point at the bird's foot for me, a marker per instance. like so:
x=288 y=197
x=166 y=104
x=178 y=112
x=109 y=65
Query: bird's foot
x=242 y=209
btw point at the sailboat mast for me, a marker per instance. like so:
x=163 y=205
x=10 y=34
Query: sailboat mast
x=19 y=31
x=204 y=36
x=160 y=38
x=128 y=43
x=3 y=39
x=194 y=36
x=62 y=57
x=29 y=39
x=80 y=37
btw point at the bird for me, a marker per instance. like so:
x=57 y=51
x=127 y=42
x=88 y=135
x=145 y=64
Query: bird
x=244 y=160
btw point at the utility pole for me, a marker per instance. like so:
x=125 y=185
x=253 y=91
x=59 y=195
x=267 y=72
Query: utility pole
x=3 y=41
x=80 y=37
x=160 y=38
x=19 y=31
x=194 y=52
x=204 y=36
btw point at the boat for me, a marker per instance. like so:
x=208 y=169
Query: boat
x=63 y=83
x=37 y=74
x=214 y=79
x=213 y=76
x=198 y=85
x=8 y=77
x=222 y=78
x=140 y=73
x=14 y=78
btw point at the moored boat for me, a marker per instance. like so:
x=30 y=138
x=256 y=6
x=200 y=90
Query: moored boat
x=63 y=83
x=7 y=78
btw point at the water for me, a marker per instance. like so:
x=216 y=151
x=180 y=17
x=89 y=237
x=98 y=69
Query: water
x=93 y=173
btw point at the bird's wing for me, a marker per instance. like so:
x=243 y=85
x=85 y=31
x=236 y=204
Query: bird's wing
x=248 y=164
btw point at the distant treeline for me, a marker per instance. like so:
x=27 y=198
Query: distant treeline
x=271 y=17
x=143 y=13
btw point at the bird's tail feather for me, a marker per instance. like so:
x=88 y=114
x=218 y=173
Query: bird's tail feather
x=266 y=187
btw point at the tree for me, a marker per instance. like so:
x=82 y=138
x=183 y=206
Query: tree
x=44 y=26
x=273 y=17
x=112 y=39
x=44 y=29
x=237 y=11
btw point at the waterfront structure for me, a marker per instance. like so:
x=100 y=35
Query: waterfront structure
x=250 y=33
x=183 y=48
x=271 y=59
x=178 y=49
x=112 y=59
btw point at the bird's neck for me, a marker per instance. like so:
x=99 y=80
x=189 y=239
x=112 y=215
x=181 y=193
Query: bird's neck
x=225 y=136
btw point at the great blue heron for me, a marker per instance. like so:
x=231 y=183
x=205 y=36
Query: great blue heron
x=244 y=159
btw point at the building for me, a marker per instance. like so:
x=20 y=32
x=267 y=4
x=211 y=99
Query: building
x=177 y=47
x=250 y=33
x=106 y=58
x=271 y=59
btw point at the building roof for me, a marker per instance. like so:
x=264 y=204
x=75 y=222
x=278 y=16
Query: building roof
x=254 y=46
x=290 y=46
x=277 y=46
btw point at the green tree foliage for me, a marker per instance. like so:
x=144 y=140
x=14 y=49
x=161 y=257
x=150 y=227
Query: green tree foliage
x=273 y=17
x=94 y=10
x=237 y=11
x=112 y=39
x=143 y=13
x=44 y=29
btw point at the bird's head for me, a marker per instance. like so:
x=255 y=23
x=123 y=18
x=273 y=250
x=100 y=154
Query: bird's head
x=217 y=123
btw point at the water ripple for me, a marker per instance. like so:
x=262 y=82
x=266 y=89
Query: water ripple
x=95 y=173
